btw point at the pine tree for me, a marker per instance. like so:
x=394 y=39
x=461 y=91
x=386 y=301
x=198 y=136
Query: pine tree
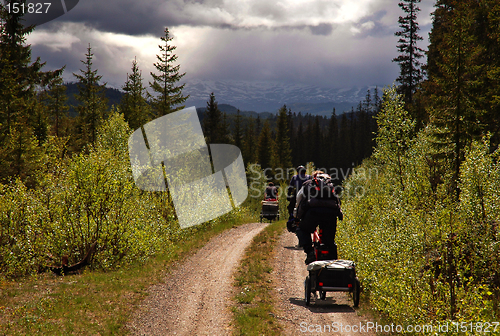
x=20 y=79
x=332 y=141
x=249 y=149
x=238 y=133
x=282 y=140
x=20 y=110
x=134 y=105
x=453 y=111
x=266 y=148
x=213 y=122
x=300 y=149
x=55 y=99
x=169 y=96
x=409 y=64
x=92 y=99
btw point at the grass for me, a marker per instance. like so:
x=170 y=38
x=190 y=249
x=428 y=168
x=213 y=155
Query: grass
x=94 y=302
x=254 y=313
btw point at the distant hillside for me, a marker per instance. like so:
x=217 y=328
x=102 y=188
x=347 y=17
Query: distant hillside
x=114 y=96
x=323 y=108
x=231 y=110
x=269 y=96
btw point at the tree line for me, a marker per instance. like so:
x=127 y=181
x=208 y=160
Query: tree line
x=288 y=139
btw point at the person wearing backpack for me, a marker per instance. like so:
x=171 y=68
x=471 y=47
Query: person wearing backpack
x=271 y=192
x=295 y=185
x=317 y=205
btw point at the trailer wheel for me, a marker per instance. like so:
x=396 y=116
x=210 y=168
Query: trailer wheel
x=355 y=292
x=307 y=290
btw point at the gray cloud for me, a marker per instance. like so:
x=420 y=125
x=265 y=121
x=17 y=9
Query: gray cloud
x=323 y=42
x=322 y=29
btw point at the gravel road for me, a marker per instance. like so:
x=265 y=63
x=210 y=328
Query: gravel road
x=195 y=296
x=289 y=272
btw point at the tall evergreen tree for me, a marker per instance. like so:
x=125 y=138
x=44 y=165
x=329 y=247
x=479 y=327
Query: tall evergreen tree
x=266 y=147
x=213 y=123
x=238 y=131
x=92 y=101
x=409 y=64
x=134 y=105
x=332 y=141
x=454 y=111
x=20 y=110
x=249 y=150
x=169 y=97
x=282 y=140
x=55 y=99
x=20 y=78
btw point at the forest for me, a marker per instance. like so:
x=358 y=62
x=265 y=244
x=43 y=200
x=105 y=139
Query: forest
x=423 y=230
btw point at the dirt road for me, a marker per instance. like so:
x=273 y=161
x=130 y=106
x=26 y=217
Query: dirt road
x=195 y=297
x=289 y=272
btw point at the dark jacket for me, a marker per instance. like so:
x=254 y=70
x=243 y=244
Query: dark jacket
x=318 y=194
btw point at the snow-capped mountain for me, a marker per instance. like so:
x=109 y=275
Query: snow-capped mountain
x=269 y=97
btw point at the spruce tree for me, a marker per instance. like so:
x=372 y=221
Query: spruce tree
x=55 y=99
x=92 y=101
x=20 y=109
x=20 y=78
x=332 y=141
x=409 y=64
x=457 y=121
x=249 y=149
x=134 y=105
x=169 y=97
x=238 y=132
x=213 y=122
x=282 y=140
x=266 y=147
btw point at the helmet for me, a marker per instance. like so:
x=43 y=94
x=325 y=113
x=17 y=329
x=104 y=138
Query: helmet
x=301 y=169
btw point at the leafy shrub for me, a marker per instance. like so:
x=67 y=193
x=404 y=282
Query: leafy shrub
x=423 y=256
x=89 y=198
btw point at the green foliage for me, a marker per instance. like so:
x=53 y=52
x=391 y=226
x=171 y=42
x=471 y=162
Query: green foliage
x=422 y=256
x=394 y=134
x=88 y=198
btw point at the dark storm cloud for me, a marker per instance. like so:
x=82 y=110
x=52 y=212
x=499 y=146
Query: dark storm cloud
x=337 y=43
x=322 y=29
x=118 y=16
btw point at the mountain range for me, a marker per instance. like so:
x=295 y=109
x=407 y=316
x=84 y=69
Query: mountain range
x=269 y=97
x=264 y=98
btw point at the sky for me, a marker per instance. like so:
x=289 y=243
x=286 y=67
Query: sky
x=327 y=43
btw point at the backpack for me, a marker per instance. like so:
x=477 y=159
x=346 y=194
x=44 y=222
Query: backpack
x=319 y=193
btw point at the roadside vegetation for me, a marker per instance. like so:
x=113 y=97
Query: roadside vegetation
x=97 y=301
x=423 y=255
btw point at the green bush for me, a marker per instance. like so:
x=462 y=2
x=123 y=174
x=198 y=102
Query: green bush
x=422 y=256
x=88 y=198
